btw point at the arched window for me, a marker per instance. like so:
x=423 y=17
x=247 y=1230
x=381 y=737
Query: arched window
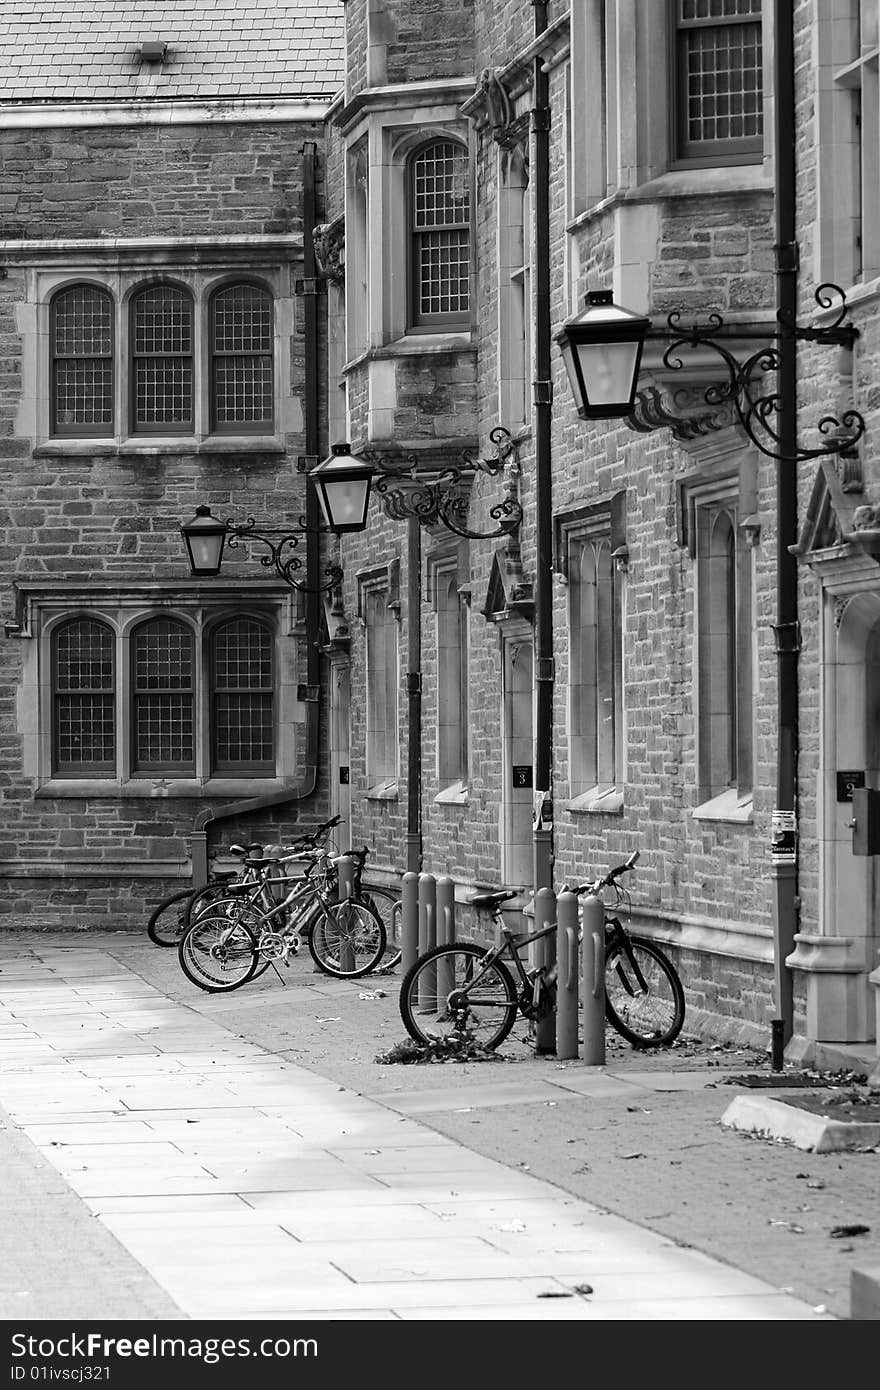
x=242 y=374
x=83 y=701
x=81 y=338
x=242 y=698
x=162 y=361
x=163 y=685
x=440 y=231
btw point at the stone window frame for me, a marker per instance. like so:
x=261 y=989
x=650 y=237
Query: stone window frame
x=621 y=134
x=122 y=613
x=847 y=144
x=515 y=370
x=449 y=595
x=71 y=429
x=130 y=270
x=594 y=749
x=378 y=593
x=704 y=500
x=378 y=297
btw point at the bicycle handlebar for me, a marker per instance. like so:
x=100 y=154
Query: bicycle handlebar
x=608 y=879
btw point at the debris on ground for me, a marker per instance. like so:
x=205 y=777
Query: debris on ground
x=802 y=1080
x=839 y=1232
x=457 y=1047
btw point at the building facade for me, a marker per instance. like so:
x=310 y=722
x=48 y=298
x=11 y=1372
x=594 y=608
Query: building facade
x=160 y=345
x=491 y=162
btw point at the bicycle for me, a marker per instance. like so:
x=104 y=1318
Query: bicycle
x=231 y=939
x=464 y=987
x=173 y=914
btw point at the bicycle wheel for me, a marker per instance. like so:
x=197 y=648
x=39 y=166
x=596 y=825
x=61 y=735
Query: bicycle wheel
x=219 y=952
x=644 y=999
x=233 y=906
x=167 y=921
x=443 y=994
x=347 y=939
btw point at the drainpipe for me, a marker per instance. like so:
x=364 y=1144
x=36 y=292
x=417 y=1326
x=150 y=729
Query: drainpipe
x=306 y=785
x=786 y=628
x=414 y=696
x=542 y=405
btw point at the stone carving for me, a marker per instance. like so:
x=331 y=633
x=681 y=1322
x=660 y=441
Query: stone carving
x=328 y=241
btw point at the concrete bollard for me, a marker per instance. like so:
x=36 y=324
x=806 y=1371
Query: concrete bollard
x=427 y=939
x=445 y=933
x=345 y=870
x=545 y=955
x=409 y=921
x=593 y=975
x=568 y=969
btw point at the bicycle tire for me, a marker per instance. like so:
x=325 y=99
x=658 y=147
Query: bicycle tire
x=424 y=1011
x=223 y=901
x=218 y=954
x=652 y=1018
x=347 y=949
x=165 y=925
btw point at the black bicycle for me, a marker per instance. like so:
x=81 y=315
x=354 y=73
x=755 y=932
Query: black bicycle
x=466 y=988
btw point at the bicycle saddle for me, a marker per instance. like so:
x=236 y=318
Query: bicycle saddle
x=488 y=901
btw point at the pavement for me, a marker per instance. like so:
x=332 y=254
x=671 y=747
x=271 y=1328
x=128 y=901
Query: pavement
x=175 y=1155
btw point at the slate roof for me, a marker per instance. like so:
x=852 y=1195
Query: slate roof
x=86 y=50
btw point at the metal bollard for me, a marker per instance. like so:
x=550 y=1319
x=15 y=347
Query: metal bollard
x=345 y=870
x=427 y=939
x=409 y=921
x=593 y=974
x=445 y=933
x=545 y=954
x=568 y=966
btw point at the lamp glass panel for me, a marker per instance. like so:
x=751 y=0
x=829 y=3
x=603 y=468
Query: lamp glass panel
x=205 y=553
x=343 y=502
x=608 y=371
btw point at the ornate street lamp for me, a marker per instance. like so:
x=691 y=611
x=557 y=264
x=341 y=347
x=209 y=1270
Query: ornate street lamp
x=205 y=537
x=343 y=486
x=602 y=351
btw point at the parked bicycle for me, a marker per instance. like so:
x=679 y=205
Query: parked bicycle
x=463 y=987
x=244 y=928
x=172 y=916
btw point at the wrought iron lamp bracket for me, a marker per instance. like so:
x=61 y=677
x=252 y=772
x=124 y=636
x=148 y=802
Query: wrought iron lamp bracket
x=442 y=499
x=281 y=552
x=756 y=412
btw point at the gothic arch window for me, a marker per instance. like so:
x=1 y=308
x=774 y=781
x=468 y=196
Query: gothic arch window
x=81 y=347
x=242 y=369
x=440 y=235
x=161 y=337
x=163 y=697
x=242 y=700
x=83 y=699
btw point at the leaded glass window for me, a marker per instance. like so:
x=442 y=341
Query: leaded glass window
x=84 y=724
x=440 y=201
x=162 y=360
x=81 y=336
x=719 y=78
x=163 y=688
x=242 y=375
x=242 y=692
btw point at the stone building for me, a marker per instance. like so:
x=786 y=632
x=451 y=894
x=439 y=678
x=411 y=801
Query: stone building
x=160 y=336
x=491 y=162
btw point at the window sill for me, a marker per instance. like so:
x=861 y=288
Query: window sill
x=596 y=801
x=160 y=788
x=693 y=182
x=156 y=446
x=454 y=795
x=414 y=344
x=730 y=807
x=382 y=791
